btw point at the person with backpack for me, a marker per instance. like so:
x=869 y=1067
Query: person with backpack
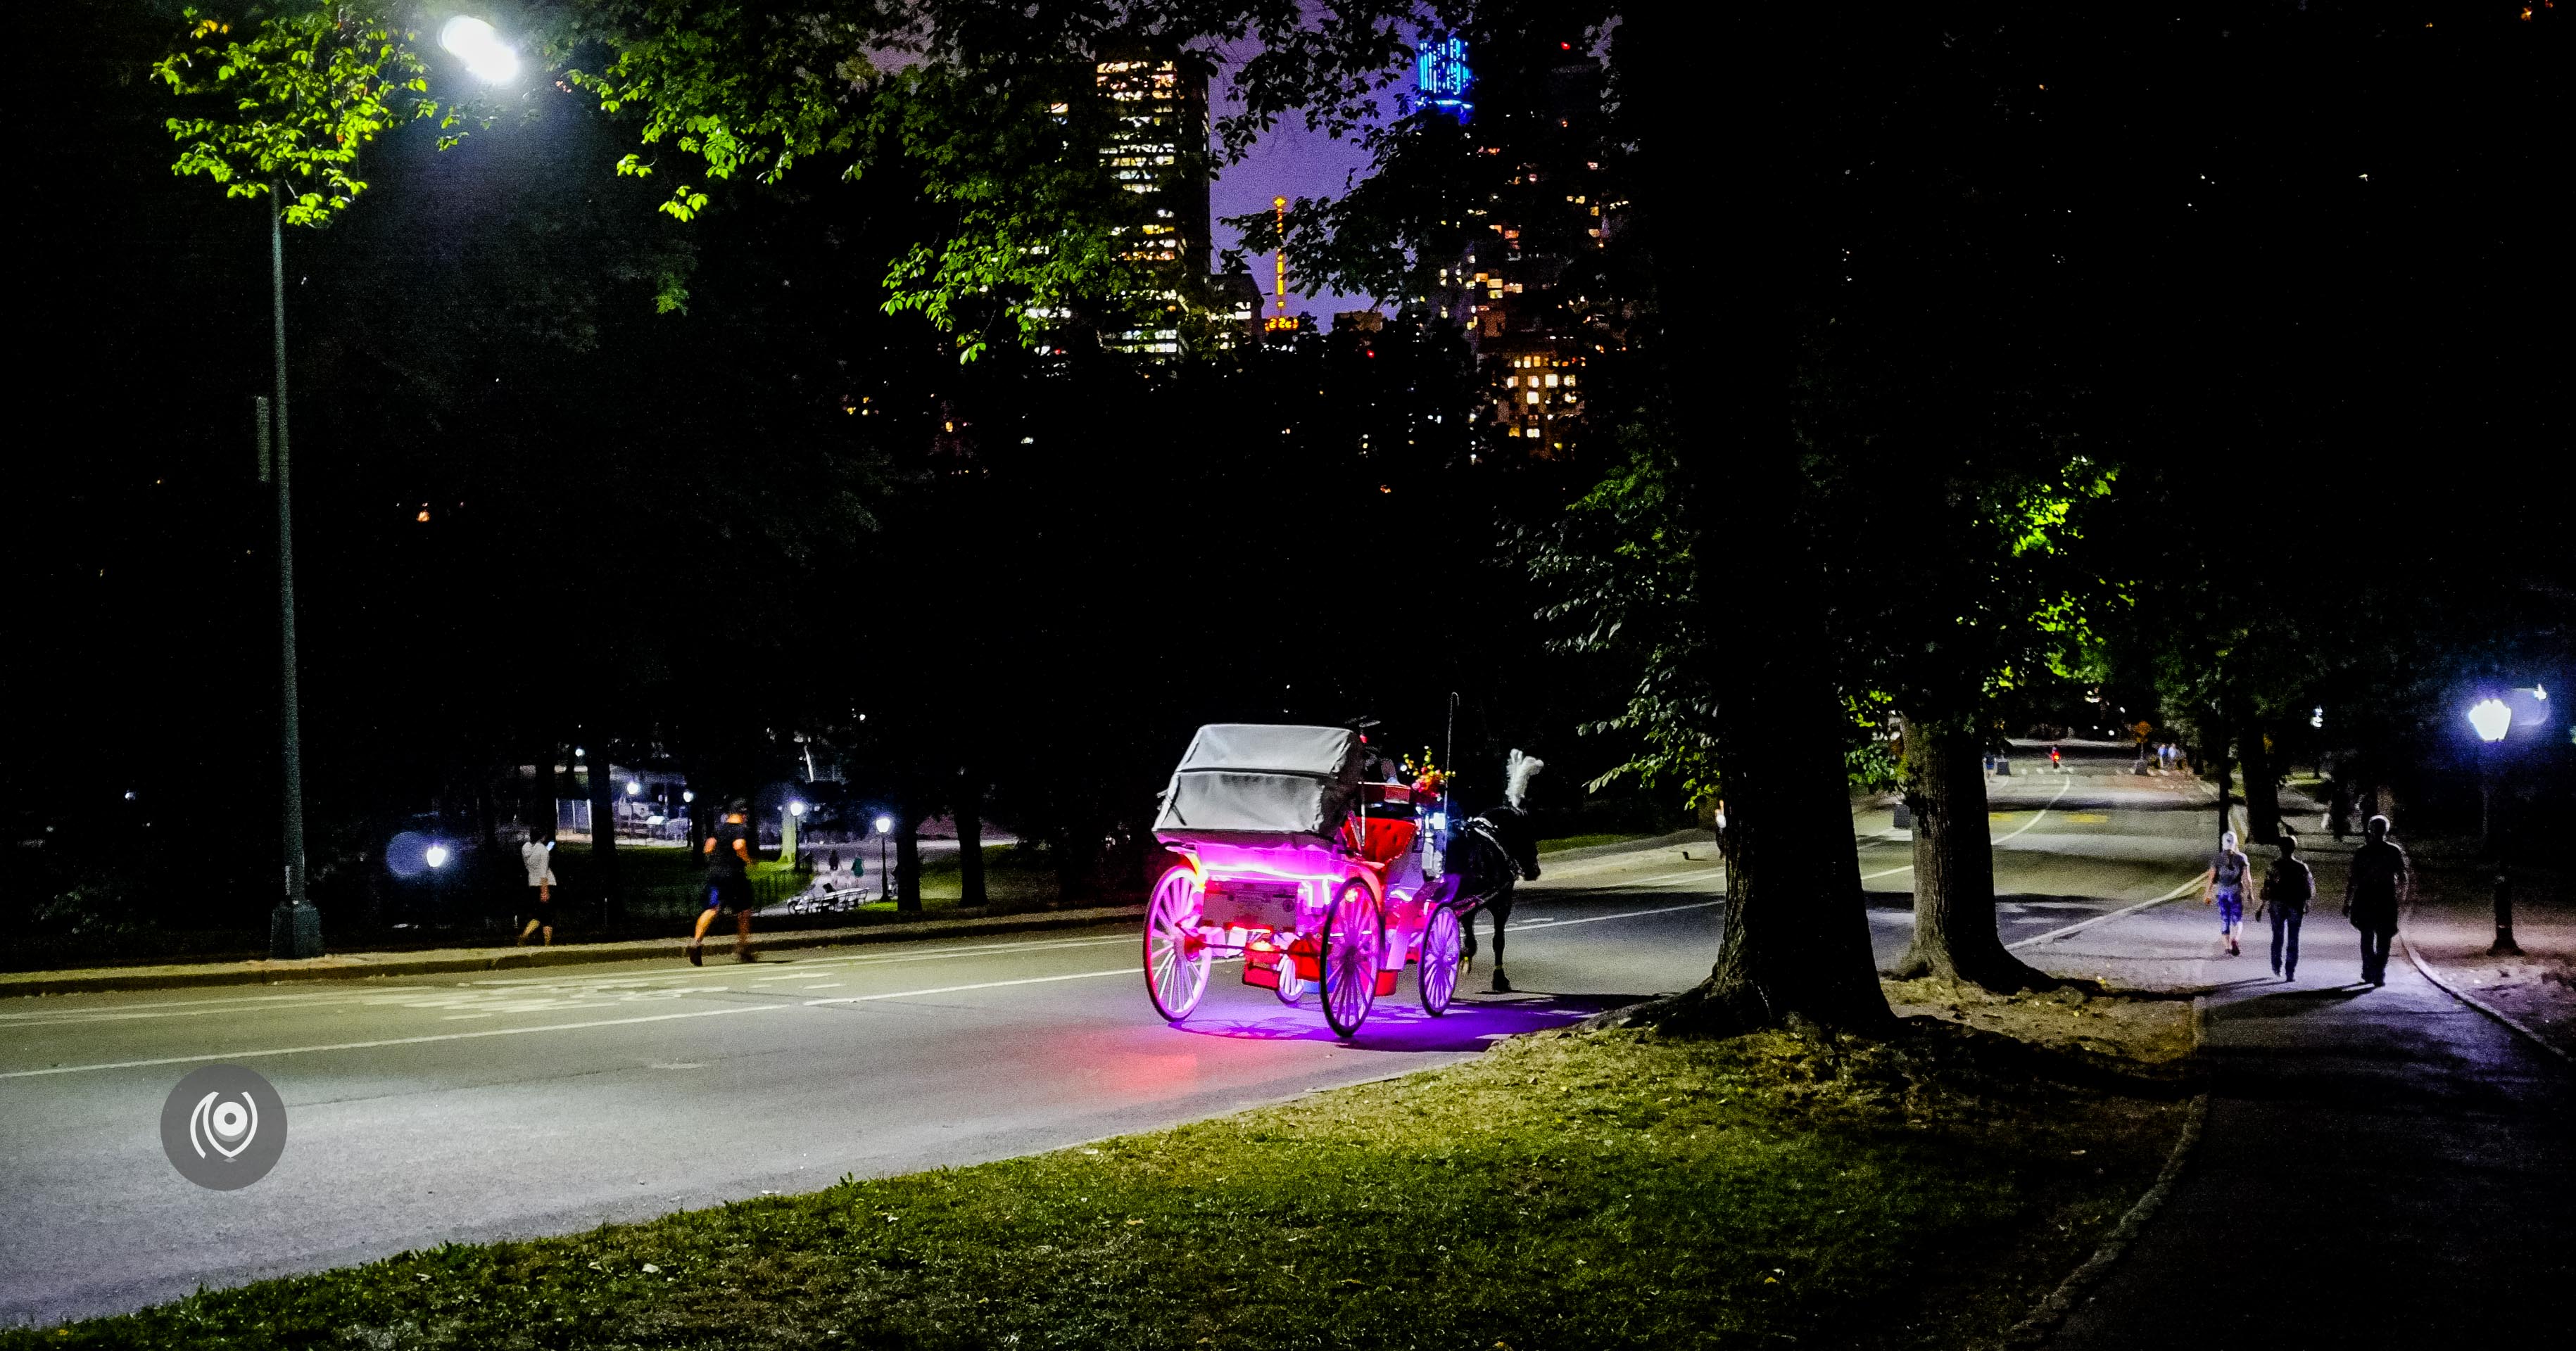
x=2229 y=878
x=2287 y=889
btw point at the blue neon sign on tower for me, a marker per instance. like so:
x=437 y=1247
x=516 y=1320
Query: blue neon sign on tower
x=1442 y=77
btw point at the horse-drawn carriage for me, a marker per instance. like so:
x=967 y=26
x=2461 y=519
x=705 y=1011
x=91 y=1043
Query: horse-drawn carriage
x=1310 y=874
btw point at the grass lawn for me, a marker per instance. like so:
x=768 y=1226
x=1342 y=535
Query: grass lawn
x=1607 y=1189
x=1565 y=842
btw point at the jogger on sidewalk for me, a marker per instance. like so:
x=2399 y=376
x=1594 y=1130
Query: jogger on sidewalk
x=2229 y=878
x=2287 y=889
x=2372 y=895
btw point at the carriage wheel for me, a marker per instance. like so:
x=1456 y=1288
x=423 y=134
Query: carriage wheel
x=1438 y=974
x=1176 y=957
x=1353 y=942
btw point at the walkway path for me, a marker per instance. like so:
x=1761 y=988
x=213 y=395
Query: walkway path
x=2381 y=1168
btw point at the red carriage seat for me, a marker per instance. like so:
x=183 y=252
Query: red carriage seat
x=1378 y=839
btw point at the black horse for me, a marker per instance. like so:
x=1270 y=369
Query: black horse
x=1487 y=857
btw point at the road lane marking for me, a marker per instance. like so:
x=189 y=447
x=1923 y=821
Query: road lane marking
x=548 y=1027
x=671 y=981
x=2174 y=895
x=1631 y=914
x=2026 y=825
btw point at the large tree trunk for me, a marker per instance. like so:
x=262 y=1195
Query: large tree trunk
x=969 y=813
x=1796 y=941
x=907 y=860
x=1954 y=864
x=2262 y=791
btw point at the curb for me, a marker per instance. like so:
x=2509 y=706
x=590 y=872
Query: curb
x=2035 y=1329
x=520 y=959
x=2425 y=969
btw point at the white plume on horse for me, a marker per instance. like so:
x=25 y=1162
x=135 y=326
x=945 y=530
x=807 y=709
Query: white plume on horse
x=1519 y=770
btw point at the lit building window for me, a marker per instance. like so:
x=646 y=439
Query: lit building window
x=1551 y=381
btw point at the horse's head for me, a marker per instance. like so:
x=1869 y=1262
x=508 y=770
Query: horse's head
x=1518 y=837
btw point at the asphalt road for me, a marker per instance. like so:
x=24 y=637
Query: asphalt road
x=437 y=1109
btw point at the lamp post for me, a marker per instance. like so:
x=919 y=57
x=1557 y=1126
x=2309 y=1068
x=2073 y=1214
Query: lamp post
x=295 y=927
x=2492 y=720
x=885 y=878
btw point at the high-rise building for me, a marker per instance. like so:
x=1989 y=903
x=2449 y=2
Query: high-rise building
x=1531 y=343
x=1158 y=150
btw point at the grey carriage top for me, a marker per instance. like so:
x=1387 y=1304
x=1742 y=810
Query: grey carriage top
x=1261 y=783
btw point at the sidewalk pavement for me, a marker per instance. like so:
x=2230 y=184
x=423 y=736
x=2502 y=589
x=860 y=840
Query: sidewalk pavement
x=2379 y=1167
x=439 y=961
x=2453 y=925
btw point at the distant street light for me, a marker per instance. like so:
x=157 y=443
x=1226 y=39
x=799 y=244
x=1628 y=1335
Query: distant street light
x=796 y=809
x=634 y=789
x=435 y=856
x=2492 y=719
x=885 y=878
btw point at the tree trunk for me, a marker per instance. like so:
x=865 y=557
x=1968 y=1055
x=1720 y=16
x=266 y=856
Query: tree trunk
x=1796 y=941
x=969 y=812
x=2226 y=770
x=2262 y=791
x=907 y=861
x=603 y=830
x=1954 y=865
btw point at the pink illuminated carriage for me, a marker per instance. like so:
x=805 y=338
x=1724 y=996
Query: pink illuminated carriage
x=1296 y=865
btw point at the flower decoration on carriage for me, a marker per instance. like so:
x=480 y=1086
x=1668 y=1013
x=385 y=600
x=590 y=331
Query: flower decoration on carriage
x=1425 y=776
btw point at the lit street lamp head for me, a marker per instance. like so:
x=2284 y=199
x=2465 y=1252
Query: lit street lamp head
x=885 y=825
x=2491 y=718
x=476 y=44
x=435 y=856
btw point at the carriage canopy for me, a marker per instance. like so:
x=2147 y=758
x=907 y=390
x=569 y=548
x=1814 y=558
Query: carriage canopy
x=1256 y=783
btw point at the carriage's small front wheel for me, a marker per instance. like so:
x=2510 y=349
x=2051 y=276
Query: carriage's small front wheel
x=1176 y=956
x=1353 y=942
x=1438 y=971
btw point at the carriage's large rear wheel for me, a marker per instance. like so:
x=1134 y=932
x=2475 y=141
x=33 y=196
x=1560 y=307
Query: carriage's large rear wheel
x=1353 y=942
x=1176 y=957
x=1438 y=970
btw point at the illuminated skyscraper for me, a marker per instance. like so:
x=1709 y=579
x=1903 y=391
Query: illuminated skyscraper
x=1158 y=151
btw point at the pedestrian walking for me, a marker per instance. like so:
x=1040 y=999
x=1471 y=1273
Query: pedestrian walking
x=2287 y=889
x=2339 y=810
x=537 y=856
x=2373 y=892
x=728 y=853
x=2228 y=880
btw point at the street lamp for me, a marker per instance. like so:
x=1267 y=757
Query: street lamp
x=476 y=44
x=885 y=879
x=2492 y=718
x=295 y=927
x=435 y=856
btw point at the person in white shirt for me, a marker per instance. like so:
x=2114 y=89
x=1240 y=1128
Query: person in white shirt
x=537 y=856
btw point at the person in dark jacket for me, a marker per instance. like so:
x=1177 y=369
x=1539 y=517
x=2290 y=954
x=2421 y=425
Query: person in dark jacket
x=2287 y=889
x=728 y=855
x=2372 y=894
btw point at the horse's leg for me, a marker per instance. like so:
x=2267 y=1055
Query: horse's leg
x=1501 y=907
x=1467 y=947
